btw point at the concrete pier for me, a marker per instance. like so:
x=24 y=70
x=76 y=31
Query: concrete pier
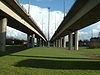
x=61 y=42
x=28 y=41
x=64 y=42
x=33 y=38
x=70 y=41
x=76 y=40
x=43 y=43
x=56 y=43
x=40 y=42
x=3 y=26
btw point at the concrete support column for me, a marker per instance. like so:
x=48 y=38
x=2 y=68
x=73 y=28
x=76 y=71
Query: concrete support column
x=43 y=43
x=61 y=42
x=56 y=43
x=53 y=44
x=64 y=42
x=31 y=41
x=3 y=26
x=40 y=42
x=76 y=40
x=48 y=43
x=33 y=38
x=28 y=41
x=70 y=41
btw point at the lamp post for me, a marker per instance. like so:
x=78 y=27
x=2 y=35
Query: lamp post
x=56 y=20
x=48 y=24
x=41 y=19
x=64 y=7
x=42 y=23
x=28 y=6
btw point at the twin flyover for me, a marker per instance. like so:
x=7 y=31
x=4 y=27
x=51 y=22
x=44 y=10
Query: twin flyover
x=13 y=15
x=82 y=14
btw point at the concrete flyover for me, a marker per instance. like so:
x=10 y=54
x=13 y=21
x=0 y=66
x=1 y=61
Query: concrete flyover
x=13 y=15
x=82 y=14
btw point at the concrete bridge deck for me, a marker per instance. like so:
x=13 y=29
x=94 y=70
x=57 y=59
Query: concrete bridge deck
x=13 y=15
x=82 y=14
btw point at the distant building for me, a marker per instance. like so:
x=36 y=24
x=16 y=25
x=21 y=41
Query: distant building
x=83 y=43
x=95 y=42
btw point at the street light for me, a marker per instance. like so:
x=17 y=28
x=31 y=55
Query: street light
x=28 y=6
x=56 y=20
x=64 y=7
x=42 y=22
x=41 y=19
x=48 y=24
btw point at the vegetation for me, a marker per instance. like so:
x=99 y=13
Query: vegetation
x=14 y=41
x=50 y=61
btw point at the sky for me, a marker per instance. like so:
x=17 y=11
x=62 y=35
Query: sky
x=39 y=12
x=53 y=4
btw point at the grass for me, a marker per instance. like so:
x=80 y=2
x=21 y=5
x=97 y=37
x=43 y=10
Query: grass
x=50 y=61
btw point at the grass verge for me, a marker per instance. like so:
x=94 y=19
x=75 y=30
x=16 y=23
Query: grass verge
x=50 y=61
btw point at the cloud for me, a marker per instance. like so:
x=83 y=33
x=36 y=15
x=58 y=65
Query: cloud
x=40 y=16
x=11 y=32
x=90 y=31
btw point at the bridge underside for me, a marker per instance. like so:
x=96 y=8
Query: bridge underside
x=82 y=14
x=91 y=17
x=12 y=14
x=14 y=23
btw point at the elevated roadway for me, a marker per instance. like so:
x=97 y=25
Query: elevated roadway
x=82 y=14
x=13 y=15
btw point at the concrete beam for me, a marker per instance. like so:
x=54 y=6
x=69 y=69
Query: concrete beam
x=3 y=26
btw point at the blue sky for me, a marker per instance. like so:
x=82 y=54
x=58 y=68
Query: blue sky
x=53 y=4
